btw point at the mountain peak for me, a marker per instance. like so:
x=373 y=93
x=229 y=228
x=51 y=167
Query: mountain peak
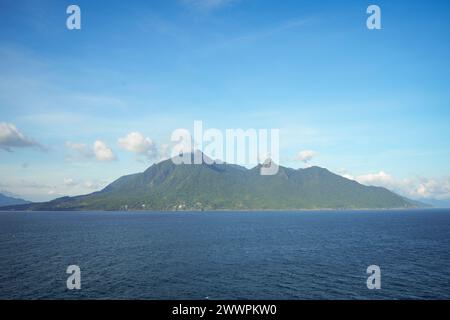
x=193 y=157
x=166 y=186
x=315 y=169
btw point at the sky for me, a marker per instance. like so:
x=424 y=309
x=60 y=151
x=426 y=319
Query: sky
x=80 y=108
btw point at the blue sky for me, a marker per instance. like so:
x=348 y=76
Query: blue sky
x=373 y=105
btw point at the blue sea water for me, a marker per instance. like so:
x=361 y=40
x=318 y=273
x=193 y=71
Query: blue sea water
x=225 y=255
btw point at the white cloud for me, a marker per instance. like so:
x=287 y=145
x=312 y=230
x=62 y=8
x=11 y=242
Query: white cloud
x=415 y=188
x=81 y=151
x=11 y=137
x=103 y=152
x=135 y=142
x=433 y=188
x=306 y=155
x=378 y=179
x=69 y=182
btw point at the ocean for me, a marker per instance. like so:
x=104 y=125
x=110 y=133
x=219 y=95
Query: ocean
x=226 y=255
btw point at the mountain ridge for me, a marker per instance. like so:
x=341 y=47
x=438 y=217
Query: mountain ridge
x=6 y=200
x=166 y=186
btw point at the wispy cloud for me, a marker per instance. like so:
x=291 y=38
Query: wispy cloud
x=78 y=151
x=11 y=138
x=96 y=101
x=69 y=182
x=207 y=5
x=27 y=189
x=262 y=34
x=257 y=35
x=75 y=183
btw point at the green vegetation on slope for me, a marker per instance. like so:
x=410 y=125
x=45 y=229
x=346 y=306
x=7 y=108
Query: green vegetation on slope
x=166 y=186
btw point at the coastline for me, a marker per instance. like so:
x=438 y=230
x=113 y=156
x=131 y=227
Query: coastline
x=238 y=211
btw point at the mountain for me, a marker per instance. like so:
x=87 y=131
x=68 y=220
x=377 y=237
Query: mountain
x=167 y=186
x=6 y=200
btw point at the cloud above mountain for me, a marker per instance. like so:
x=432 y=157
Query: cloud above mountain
x=416 y=188
x=306 y=156
x=99 y=151
x=138 y=144
x=103 y=152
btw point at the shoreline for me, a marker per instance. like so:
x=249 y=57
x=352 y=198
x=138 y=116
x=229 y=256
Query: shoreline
x=234 y=211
